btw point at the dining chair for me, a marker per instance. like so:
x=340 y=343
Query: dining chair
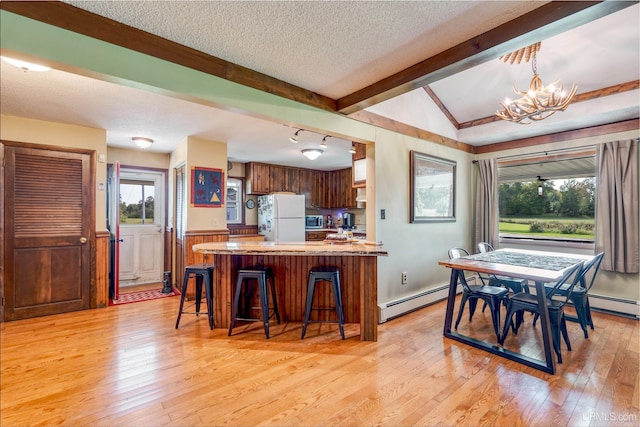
x=580 y=295
x=511 y=283
x=527 y=302
x=492 y=295
x=515 y=285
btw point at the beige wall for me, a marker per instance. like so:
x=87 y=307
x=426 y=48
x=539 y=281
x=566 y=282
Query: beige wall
x=209 y=154
x=63 y=135
x=414 y=248
x=138 y=157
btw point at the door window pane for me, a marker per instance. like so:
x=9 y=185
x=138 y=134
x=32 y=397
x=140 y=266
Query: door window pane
x=137 y=202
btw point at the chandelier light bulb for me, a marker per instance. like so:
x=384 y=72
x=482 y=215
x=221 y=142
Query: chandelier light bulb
x=537 y=103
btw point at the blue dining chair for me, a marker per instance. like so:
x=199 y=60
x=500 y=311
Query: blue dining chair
x=492 y=295
x=580 y=295
x=511 y=283
x=527 y=302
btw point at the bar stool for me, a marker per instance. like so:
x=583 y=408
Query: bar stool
x=327 y=274
x=202 y=273
x=260 y=274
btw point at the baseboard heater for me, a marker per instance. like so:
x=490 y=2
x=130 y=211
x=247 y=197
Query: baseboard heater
x=619 y=306
x=400 y=306
x=404 y=305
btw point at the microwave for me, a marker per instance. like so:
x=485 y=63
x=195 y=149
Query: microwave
x=314 y=221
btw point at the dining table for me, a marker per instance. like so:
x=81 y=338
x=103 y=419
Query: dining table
x=539 y=267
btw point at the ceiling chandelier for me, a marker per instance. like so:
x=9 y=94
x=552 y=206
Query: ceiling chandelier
x=540 y=101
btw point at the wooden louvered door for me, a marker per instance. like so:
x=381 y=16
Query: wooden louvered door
x=48 y=207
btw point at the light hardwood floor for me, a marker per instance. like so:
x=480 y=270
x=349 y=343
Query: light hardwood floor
x=92 y=368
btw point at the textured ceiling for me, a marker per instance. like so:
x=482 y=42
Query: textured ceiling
x=335 y=48
x=329 y=47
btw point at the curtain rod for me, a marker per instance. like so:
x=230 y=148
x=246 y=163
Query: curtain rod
x=547 y=152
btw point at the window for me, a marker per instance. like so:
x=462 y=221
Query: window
x=137 y=201
x=235 y=201
x=549 y=198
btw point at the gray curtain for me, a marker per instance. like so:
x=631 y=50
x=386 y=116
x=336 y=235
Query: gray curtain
x=617 y=205
x=487 y=203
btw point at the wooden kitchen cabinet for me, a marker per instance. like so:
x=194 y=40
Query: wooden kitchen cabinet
x=257 y=178
x=359 y=166
x=282 y=178
x=343 y=195
x=315 y=236
x=307 y=179
x=276 y=178
x=322 y=189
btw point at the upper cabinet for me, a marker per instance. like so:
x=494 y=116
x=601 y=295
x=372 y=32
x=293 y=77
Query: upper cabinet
x=321 y=189
x=359 y=169
x=257 y=178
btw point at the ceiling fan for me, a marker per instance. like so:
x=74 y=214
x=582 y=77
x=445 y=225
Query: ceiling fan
x=540 y=188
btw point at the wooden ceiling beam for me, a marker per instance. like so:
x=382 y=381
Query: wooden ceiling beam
x=89 y=24
x=548 y=20
x=587 y=96
x=623 y=126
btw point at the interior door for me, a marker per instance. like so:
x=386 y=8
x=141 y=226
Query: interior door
x=141 y=227
x=49 y=219
x=113 y=224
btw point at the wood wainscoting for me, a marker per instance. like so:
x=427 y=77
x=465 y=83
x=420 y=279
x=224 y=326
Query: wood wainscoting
x=242 y=230
x=185 y=255
x=100 y=291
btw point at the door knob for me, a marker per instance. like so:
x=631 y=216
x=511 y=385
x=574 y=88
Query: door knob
x=83 y=240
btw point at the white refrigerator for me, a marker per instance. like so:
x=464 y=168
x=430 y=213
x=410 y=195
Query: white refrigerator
x=281 y=217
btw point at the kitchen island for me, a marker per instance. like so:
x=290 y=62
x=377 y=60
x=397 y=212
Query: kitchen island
x=291 y=263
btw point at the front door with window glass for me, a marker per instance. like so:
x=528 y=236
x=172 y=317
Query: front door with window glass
x=141 y=229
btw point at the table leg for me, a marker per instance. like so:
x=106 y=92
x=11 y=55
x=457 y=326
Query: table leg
x=549 y=365
x=545 y=326
x=451 y=299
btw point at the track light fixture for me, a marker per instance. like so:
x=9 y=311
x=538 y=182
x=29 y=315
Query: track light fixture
x=294 y=138
x=352 y=150
x=323 y=143
x=312 y=153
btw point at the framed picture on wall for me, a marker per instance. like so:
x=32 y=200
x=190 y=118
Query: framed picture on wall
x=433 y=188
x=207 y=187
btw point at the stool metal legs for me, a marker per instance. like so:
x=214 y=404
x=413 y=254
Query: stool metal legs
x=261 y=276
x=204 y=276
x=330 y=275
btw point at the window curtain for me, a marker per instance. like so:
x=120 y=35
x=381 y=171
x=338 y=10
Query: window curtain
x=487 y=203
x=617 y=205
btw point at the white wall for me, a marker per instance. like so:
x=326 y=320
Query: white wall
x=414 y=248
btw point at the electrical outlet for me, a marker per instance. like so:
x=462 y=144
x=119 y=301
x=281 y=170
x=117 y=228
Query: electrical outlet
x=383 y=214
x=404 y=278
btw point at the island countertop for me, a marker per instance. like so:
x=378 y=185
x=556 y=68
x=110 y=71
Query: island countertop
x=291 y=248
x=291 y=262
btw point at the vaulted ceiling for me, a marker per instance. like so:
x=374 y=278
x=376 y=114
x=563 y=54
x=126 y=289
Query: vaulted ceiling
x=426 y=68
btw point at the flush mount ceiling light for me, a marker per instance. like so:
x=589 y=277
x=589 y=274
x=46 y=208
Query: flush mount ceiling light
x=540 y=101
x=294 y=138
x=25 y=66
x=323 y=143
x=312 y=153
x=142 y=142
